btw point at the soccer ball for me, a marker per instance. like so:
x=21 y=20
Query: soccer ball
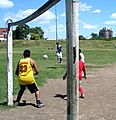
x=45 y=56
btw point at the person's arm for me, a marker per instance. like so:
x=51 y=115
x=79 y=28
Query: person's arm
x=84 y=71
x=34 y=65
x=17 y=69
x=65 y=76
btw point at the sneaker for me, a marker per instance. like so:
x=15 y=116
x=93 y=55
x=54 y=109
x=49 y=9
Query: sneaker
x=82 y=96
x=40 y=105
x=16 y=103
x=65 y=98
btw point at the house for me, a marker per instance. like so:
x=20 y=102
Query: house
x=106 y=33
x=3 y=33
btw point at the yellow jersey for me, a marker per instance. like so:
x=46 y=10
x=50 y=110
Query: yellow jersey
x=26 y=75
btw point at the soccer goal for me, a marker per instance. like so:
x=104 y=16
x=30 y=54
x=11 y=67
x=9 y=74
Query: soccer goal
x=10 y=24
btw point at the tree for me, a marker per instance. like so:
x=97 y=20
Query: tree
x=36 y=33
x=21 y=31
x=94 y=35
x=81 y=37
x=35 y=36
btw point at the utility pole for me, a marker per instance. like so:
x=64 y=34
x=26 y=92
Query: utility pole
x=72 y=68
x=56 y=24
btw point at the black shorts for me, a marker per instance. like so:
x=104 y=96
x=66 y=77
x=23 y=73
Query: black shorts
x=31 y=87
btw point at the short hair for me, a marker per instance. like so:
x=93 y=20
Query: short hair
x=79 y=51
x=57 y=43
x=26 y=53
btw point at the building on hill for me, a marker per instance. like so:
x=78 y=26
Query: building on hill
x=106 y=33
x=3 y=33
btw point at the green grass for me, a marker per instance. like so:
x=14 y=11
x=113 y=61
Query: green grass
x=97 y=54
x=48 y=68
x=100 y=57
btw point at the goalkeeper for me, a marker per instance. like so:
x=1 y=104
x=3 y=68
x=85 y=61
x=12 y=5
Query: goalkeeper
x=26 y=69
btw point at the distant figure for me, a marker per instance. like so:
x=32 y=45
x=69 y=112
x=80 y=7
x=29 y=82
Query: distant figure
x=26 y=69
x=74 y=59
x=82 y=68
x=82 y=56
x=59 y=52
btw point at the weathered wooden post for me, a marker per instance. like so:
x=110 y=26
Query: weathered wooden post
x=72 y=68
x=9 y=66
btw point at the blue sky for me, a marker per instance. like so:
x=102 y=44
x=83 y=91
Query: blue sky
x=93 y=16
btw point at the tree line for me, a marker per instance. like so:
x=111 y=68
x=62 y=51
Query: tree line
x=95 y=36
x=23 y=31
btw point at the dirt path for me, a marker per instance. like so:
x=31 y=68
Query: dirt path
x=99 y=102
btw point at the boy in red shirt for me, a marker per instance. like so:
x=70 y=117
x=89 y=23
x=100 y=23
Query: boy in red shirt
x=81 y=68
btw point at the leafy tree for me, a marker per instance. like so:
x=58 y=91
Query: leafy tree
x=81 y=37
x=21 y=31
x=94 y=35
x=36 y=33
x=35 y=36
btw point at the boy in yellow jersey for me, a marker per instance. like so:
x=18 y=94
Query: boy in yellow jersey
x=26 y=69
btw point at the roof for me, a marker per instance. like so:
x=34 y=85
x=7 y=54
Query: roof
x=1 y=32
x=2 y=29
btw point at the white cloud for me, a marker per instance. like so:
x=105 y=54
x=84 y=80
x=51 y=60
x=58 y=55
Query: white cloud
x=9 y=16
x=52 y=28
x=96 y=11
x=48 y=15
x=113 y=15
x=6 y=4
x=50 y=32
x=24 y=13
x=81 y=21
x=44 y=22
x=111 y=22
x=84 y=7
x=19 y=15
x=45 y=18
x=88 y=26
x=63 y=15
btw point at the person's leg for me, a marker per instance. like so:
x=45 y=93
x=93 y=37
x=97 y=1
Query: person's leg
x=81 y=90
x=37 y=95
x=60 y=60
x=38 y=102
x=33 y=88
x=60 y=57
x=20 y=93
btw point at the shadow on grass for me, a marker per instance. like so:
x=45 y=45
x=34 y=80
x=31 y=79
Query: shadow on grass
x=3 y=103
x=52 y=67
x=58 y=66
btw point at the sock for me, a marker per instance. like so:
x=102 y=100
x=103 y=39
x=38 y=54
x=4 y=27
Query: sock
x=81 y=90
x=38 y=102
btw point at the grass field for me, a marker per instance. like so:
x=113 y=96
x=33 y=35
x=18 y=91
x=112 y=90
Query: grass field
x=97 y=54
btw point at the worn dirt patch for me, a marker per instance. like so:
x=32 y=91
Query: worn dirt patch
x=99 y=102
